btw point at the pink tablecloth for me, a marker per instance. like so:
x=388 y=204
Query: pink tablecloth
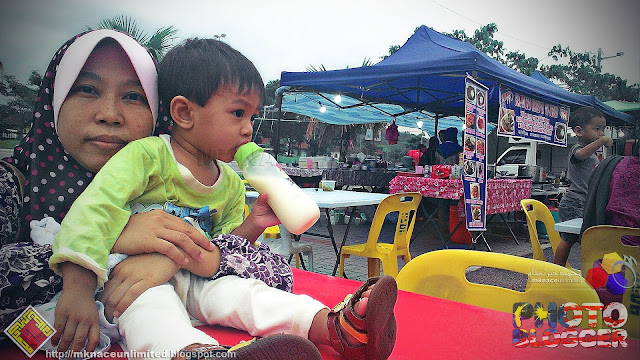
x=503 y=195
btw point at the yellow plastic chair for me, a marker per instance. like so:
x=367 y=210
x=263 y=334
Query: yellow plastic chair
x=600 y=240
x=406 y=204
x=441 y=274
x=284 y=247
x=537 y=211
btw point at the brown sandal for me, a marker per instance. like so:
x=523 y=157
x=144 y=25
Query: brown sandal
x=275 y=347
x=376 y=331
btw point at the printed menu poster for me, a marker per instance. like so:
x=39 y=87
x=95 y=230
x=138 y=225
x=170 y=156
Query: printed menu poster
x=474 y=145
x=527 y=117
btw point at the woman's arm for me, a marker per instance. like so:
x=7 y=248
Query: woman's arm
x=76 y=315
x=133 y=276
x=159 y=243
x=159 y=232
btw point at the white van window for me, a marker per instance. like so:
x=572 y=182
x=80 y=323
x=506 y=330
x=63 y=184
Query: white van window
x=518 y=156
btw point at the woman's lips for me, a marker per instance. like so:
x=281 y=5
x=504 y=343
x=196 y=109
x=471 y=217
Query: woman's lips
x=108 y=142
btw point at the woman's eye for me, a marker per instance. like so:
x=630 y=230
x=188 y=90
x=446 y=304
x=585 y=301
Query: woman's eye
x=136 y=97
x=84 y=89
x=238 y=113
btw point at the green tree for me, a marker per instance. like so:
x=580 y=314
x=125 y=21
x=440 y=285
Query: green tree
x=392 y=49
x=3 y=85
x=583 y=75
x=20 y=99
x=519 y=61
x=483 y=40
x=270 y=89
x=158 y=43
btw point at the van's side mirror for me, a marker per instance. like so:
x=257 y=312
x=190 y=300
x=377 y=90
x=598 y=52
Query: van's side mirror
x=501 y=162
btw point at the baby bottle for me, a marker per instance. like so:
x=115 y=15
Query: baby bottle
x=295 y=209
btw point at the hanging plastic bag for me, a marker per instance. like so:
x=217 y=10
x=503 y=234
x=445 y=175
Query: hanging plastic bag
x=391 y=133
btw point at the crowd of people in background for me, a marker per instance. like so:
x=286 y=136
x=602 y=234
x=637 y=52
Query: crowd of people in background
x=442 y=150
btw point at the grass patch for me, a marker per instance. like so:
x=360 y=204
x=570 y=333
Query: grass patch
x=8 y=143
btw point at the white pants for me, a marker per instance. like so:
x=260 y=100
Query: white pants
x=158 y=320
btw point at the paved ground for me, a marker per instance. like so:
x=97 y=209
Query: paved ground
x=5 y=153
x=498 y=237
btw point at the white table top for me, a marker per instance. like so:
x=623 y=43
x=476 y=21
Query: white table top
x=570 y=226
x=546 y=191
x=338 y=198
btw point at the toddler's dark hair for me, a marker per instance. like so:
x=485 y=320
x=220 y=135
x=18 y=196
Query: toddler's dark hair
x=583 y=116
x=196 y=68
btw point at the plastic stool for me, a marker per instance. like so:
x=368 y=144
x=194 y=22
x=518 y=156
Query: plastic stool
x=286 y=246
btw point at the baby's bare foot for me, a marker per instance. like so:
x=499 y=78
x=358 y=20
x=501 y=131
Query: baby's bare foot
x=361 y=310
x=361 y=305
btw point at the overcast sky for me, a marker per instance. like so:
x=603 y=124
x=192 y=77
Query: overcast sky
x=283 y=35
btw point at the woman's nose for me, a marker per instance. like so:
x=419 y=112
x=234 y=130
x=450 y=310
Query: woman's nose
x=109 y=112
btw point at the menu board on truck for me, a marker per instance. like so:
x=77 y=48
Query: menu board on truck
x=474 y=146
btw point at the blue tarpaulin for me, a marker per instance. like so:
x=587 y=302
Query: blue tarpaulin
x=347 y=112
x=426 y=75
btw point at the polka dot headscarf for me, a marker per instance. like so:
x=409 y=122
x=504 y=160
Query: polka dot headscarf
x=54 y=179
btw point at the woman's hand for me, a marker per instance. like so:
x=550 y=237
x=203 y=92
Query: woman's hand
x=133 y=276
x=76 y=315
x=156 y=231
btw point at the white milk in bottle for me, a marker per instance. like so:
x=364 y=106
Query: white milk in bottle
x=295 y=209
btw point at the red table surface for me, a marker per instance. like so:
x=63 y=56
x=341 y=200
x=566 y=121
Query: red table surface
x=428 y=328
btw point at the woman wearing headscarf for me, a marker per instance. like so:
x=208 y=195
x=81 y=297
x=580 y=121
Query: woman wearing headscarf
x=66 y=145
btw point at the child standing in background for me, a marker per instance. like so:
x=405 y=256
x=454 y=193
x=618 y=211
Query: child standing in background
x=588 y=124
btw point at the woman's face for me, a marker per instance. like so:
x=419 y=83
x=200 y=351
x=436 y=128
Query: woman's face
x=105 y=109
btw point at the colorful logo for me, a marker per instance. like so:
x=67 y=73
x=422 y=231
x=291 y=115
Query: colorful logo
x=610 y=273
x=614 y=315
x=29 y=331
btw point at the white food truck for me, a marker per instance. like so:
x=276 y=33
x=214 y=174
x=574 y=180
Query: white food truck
x=526 y=158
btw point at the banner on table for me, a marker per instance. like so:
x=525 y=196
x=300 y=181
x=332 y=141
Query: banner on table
x=474 y=145
x=531 y=118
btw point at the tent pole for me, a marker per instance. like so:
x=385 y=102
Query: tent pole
x=341 y=142
x=550 y=160
x=279 y=94
x=277 y=142
x=373 y=140
x=436 y=127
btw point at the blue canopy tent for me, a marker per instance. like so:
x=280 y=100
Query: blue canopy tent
x=538 y=76
x=348 y=111
x=427 y=76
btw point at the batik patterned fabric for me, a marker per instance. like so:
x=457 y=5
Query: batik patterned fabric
x=53 y=181
x=503 y=195
x=9 y=206
x=240 y=257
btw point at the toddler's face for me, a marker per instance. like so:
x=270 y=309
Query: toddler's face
x=225 y=122
x=593 y=130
